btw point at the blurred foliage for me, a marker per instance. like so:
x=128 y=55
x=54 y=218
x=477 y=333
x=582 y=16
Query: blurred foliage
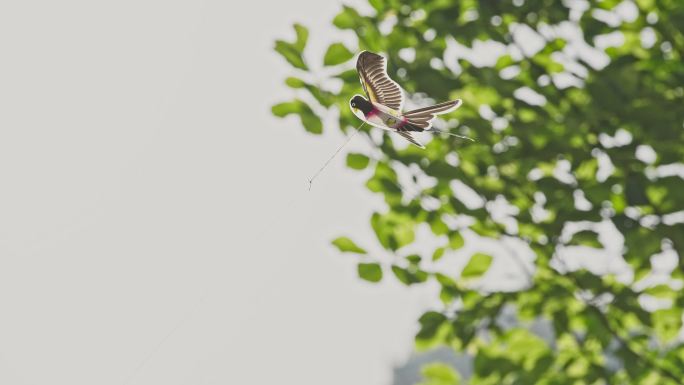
x=440 y=374
x=551 y=156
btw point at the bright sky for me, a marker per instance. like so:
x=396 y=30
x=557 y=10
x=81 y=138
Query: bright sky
x=155 y=226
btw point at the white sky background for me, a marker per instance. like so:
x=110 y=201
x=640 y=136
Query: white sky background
x=155 y=226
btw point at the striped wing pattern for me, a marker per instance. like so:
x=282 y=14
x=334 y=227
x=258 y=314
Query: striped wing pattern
x=379 y=87
x=407 y=135
x=422 y=117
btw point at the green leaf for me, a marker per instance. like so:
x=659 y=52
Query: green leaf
x=438 y=254
x=587 y=170
x=523 y=157
x=357 y=161
x=662 y=291
x=294 y=82
x=348 y=76
x=377 y=4
x=667 y=323
x=504 y=61
x=345 y=244
x=324 y=97
x=439 y=374
x=656 y=194
x=371 y=272
x=311 y=122
x=292 y=52
x=336 y=54
x=409 y=276
x=586 y=238
x=394 y=231
x=478 y=265
x=283 y=109
x=456 y=241
x=429 y=324
x=347 y=19
x=302 y=37
x=438 y=226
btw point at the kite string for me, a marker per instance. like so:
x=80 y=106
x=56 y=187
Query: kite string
x=311 y=180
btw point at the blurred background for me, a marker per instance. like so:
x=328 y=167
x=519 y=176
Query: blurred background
x=156 y=225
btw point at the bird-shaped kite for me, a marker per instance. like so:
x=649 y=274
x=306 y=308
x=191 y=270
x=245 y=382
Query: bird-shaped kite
x=383 y=106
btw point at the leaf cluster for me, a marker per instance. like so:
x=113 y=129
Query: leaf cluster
x=597 y=150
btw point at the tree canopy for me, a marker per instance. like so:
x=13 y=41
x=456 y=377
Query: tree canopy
x=578 y=112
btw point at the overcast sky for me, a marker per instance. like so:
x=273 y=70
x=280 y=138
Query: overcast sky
x=155 y=226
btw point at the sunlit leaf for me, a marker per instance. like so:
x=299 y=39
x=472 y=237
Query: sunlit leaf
x=456 y=240
x=302 y=37
x=287 y=51
x=357 y=161
x=292 y=52
x=287 y=108
x=371 y=272
x=294 y=82
x=377 y=4
x=586 y=238
x=429 y=323
x=438 y=254
x=311 y=122
x=668 y=323
x=346 y=19
x=478 y=265
x=439 y=374
x=345 y=244
x=409 y=276
x=337 y=53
